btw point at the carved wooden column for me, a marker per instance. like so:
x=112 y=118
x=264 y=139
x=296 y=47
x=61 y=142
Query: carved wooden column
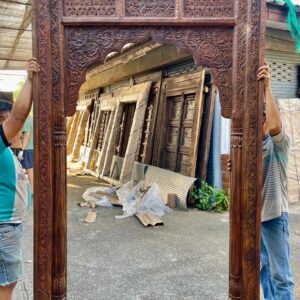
x=235 y=263
x=59 y=258
x=246 y=153
x=43 y=183
x=50 y=171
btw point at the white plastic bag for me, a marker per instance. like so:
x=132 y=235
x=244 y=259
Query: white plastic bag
x=134 y=201
x=152 y=202
x=129 y=196
x=104 y=202
x=91 y=195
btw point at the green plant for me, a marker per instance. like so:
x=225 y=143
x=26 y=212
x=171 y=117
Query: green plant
x=208 y=198
x=204 y=196
x=221 y=200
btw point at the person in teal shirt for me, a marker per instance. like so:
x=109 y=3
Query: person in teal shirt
x=15 y=193
x=26 y=156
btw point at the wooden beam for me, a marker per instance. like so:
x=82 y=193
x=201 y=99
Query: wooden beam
x=15 y=29
x=17 y=2
x=12 y=59
x=129 y=21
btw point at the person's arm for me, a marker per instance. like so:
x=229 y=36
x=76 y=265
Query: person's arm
x=21 y=108
x=273 y=118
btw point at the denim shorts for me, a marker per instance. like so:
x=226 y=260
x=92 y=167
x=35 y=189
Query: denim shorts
x=10 y=253
x=28 y=159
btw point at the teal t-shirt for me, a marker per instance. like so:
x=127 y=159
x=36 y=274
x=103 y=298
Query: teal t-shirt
x=15 y=193
x=28 y=127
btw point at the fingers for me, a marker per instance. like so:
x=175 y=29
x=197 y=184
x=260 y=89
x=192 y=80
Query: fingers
x=264 y=73
x=33 y=63
x=33 y=66
x=266 y=67
x=263 y=76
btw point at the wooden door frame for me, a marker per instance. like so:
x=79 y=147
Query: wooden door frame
x=197 y=78
x=107 y=103
x=227 y=37
x=134 y=94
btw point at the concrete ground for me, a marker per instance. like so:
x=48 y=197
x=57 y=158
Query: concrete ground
x=187 y=258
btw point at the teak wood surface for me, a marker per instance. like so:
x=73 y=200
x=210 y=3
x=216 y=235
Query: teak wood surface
x=227 y=36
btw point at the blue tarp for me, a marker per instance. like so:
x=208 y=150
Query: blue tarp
x=214 y=168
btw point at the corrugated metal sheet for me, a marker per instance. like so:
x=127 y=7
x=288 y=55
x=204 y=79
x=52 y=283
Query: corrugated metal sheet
x=290 y=114
x=284 y=72
x=282 y=3
x=170 y=182
x=15 y=33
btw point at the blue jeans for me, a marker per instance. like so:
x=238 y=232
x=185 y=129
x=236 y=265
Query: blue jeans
x=10 y=253
x=275 y=274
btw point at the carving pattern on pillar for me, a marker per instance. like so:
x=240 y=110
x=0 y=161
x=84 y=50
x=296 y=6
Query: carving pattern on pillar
x=211 y=47
x=56 y=50
x=235 y=286
x=90 y=8
x=208 y=8
x=150 y=8
x=43 y=162
x=59 y=265
x=238 y=98
x=253 y=152
x=59 y=136
x=60 y=216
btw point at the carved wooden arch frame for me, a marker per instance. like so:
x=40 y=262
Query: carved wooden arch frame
x=71 y=36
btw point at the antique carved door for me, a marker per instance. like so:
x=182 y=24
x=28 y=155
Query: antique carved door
x=227 y=36
x=180 y=115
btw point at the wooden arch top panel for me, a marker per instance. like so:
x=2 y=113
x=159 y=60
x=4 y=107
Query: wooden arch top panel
x=203 y=28
x=211 y=47
x=150 y=8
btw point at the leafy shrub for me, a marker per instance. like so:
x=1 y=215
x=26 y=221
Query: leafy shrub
x=222 y=201
x=208 y=198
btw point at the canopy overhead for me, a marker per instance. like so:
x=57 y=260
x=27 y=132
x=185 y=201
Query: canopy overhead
x=15 y=34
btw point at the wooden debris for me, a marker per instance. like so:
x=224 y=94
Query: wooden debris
x=87 y=204
x=91 y=216
x=149 y=219
x=172 y=200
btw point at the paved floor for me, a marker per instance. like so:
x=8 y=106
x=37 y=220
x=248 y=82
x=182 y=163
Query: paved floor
x=187 y=258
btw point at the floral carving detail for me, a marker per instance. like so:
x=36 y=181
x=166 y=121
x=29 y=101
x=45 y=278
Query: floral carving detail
x=150 y=8
x=211 y=47
x=90 y=7
x=208 y=8
x=253 y=151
